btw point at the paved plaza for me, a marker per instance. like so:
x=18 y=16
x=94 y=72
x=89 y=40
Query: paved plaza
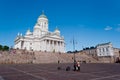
x=50 y=72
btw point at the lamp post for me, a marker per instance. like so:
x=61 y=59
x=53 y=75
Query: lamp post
x=74 y=58
x=73 y=50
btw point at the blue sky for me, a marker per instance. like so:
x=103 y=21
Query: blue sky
x=91 y=22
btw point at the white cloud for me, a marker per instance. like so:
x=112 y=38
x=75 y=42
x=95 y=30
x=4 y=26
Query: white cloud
x=108 y=28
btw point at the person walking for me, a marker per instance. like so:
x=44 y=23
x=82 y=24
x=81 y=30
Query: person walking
x=75 y=65
x=78 y=65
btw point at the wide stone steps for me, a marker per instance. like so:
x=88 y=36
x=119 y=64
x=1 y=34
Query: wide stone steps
x=22 y=56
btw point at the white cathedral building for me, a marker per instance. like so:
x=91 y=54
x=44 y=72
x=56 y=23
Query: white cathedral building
x=41 y=39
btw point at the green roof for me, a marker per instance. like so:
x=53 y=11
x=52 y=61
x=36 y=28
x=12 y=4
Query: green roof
x=104 y=44
x=42 y=15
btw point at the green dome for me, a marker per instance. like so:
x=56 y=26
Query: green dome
x=57 y=30
x=42 y=15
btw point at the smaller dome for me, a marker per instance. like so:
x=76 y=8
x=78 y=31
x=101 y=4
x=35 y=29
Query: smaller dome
x=37 y=26
x=57 y=31
x=28 y=32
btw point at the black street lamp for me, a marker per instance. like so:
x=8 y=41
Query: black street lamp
x=74 y=50
x=74 y=58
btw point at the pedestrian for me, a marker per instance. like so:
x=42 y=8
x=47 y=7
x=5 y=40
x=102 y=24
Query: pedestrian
x=68 y=68
x=75 y=65
x=78 y=65
x=58 y=61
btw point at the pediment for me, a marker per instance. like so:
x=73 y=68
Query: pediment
x=55 y=36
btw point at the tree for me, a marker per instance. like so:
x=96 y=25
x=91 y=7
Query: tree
x=5 y=48
x=69 y=51
x=1 y=47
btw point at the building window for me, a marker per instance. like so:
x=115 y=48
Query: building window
x=100 y=50
x=103 y=50
x=106 y=49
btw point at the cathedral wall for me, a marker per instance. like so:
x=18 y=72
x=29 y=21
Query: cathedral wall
x=26 y=45
x=17 y=45
x=36 y=46
x=45 y=46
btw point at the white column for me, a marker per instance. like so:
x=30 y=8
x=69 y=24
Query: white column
x=49 y=45
x=61 y=46
x=53 y=47
x=57 y=46
x=45 y=45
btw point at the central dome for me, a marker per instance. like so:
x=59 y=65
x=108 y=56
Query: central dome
x=42 y=15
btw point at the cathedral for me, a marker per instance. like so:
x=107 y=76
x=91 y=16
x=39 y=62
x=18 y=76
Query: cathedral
x=41 y=39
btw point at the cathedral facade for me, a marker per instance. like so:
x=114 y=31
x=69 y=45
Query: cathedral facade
x=41 y=39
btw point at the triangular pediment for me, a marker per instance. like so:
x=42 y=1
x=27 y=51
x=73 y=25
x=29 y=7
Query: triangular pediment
x=55 y=36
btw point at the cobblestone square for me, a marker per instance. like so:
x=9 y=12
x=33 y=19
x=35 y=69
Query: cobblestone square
x=50 y=72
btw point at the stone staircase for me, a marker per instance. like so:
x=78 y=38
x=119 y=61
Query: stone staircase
x=42 y=57
x=22 y=56
x=86 y=58
x=16 y=57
